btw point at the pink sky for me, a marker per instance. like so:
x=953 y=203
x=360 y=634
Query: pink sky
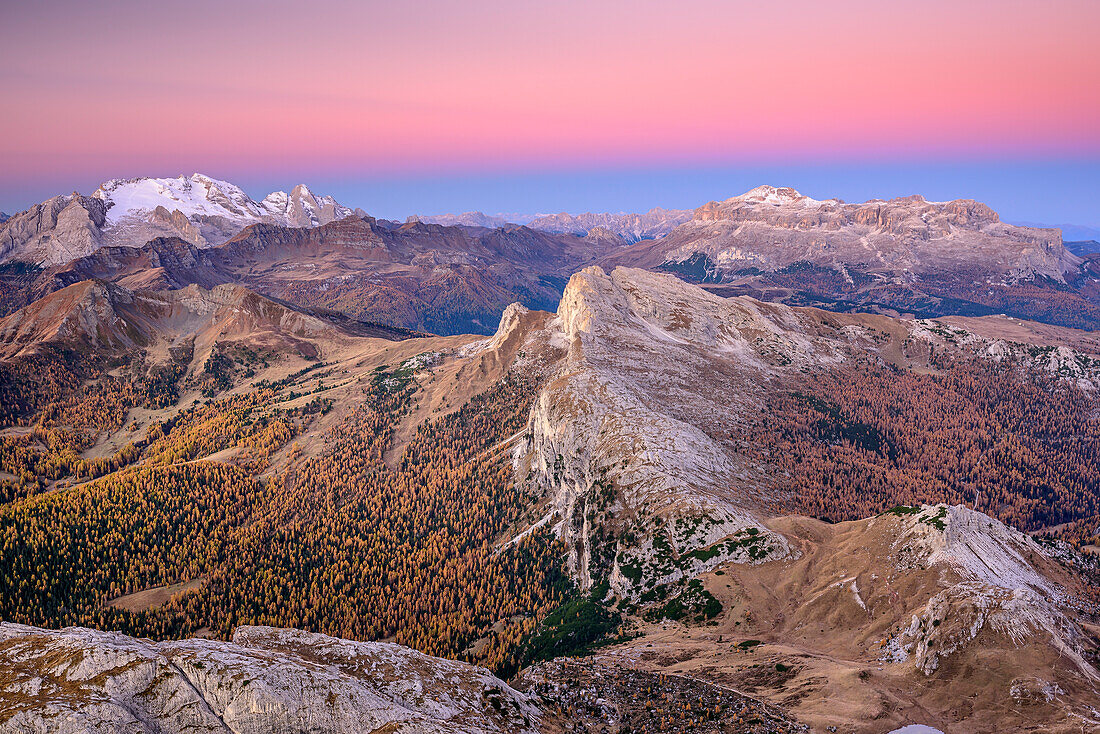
x=121 y=88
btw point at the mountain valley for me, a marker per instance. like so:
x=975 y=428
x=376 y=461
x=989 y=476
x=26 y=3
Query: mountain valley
x=803 y=517
x=550 y=368
x=589 y=453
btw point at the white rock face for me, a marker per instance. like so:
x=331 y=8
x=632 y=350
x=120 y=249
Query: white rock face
x=657 y=375
x=265 y=680
x=998 y=579
x=987 y=551
x=202 y=210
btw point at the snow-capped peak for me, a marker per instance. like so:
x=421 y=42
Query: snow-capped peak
x=303 y=208
x=194 y=195
x=275 y=201
x=199 y=195
x=201 y=209
x=775 y=195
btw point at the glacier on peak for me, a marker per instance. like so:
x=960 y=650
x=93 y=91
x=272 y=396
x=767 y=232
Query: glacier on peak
x=200 y=209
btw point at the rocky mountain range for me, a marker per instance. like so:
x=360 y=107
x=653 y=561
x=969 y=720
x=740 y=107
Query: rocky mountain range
x=471 y=219
x=905 y=255
x=769 y=228
x=414 y=275
x=99 y=316
x=803 y=516
x=456 y=273
x=199 y=209
x=655 y=223
x=649 y=451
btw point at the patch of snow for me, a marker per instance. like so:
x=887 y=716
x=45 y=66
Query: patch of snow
x=855 y=593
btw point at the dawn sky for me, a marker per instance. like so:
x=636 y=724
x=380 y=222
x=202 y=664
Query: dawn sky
x=524 y=106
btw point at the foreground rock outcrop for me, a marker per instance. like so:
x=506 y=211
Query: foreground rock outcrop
x=265 y=680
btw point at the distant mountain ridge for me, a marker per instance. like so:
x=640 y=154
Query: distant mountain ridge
x=905 y=255
x=631 y=227
x=451 y=273
x=199 y=209
x=470 y=219
x=1070 y=232
x=1081 y=248
x=414 y=275
x=654 y=224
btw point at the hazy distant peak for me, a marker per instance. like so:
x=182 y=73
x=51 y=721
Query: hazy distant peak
x=655 y=223
x=466 y=219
